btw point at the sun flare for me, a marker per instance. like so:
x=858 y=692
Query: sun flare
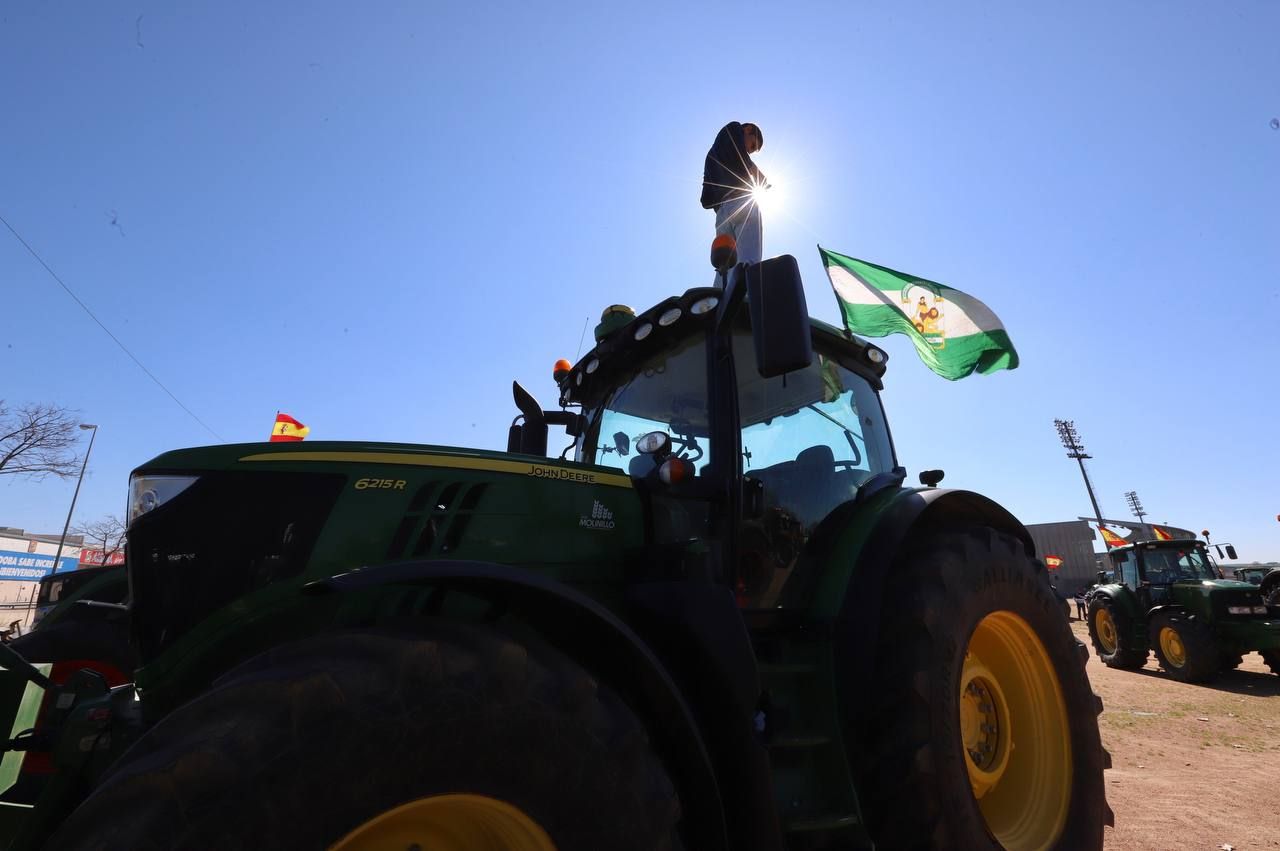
x=767 y=196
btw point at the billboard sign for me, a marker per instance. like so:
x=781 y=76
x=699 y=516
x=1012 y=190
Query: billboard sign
x=31 y=566
x=98 y=558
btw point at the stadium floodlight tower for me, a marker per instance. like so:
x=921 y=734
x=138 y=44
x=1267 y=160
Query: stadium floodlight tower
x=1071 y=442
x=1135 y=504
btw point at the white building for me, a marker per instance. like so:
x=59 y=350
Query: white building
x=26 y=558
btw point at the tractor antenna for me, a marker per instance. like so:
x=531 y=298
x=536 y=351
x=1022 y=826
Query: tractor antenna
x=582 y=337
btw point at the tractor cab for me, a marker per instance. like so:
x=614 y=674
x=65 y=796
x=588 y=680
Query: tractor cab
x=1252 y=575
x=740 y=425
x=1152 y=568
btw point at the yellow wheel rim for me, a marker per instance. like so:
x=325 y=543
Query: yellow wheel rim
x=1105 y=626
x=449 y=823
x=1171 y=644
x=1016 y=734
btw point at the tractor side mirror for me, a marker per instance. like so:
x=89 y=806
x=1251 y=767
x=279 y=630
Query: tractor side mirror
x=779 y=316
x=622 y=443
x=1231 y=552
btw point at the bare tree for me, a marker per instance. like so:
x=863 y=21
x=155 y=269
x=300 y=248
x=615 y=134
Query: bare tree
x=38 y=440
x=105 y=534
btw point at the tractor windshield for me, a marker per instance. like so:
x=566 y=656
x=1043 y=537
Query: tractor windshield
x=1163 y=566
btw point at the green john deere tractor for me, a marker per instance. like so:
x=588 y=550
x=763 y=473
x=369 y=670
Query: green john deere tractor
x=1266 y=578
x=1169 y=598
x=718 y=620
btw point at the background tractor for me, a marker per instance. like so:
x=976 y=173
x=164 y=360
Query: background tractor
x=1168 y=597
x=80 y=623
x=1266 y=578
x=720 y=619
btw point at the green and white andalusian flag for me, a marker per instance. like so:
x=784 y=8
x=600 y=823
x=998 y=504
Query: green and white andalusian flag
x=954 y=333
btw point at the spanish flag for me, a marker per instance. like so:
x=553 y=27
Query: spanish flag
x=1161 y=534
x=1112 y=539
x=1052 y=562
x=287 y=428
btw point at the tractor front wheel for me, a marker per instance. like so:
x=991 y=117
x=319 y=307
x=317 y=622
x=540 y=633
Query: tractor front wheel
x=979 y=729
x=456 y=739
x=1185 y=648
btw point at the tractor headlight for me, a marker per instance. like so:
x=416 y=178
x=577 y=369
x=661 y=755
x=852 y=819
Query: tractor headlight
x=150 y=492
x=1240 y=610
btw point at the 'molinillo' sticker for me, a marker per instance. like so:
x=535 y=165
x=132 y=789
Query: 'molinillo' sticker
x=601 y=517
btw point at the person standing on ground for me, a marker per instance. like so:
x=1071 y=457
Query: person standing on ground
x=728 y=179
x=1080 y=610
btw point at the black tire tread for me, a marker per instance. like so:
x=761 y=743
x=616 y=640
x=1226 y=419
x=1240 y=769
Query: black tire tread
x=1203 y=654
x=458 y=708
x=902 y=768
x=1125 y=657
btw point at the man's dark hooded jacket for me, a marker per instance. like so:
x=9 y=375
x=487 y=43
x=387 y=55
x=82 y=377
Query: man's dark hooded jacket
x=728 y=172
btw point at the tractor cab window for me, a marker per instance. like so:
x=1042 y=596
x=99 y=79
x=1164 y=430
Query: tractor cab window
x=1164 y=566
x=667 y=393
x=1127 y=567
x=810 y=438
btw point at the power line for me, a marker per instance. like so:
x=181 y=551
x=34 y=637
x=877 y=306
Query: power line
x=113 y=337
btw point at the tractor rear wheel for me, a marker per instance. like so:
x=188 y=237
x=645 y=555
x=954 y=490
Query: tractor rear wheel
x=979 y=728
x=1111 y=633
x=456 y=739
x=1186 y=649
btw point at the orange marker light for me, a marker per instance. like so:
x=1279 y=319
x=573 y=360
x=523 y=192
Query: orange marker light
x=724 y=251
x=561 y=369
x=675 y=470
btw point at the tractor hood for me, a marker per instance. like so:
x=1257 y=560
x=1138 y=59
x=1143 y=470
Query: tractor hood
x=1220 y=598
x=305 y=456
x=1213 y=586
x=1228 y=585
x=214 y=526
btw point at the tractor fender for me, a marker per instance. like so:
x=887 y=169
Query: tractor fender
x=902 y=515
x=1124 y=599
x=592 y=635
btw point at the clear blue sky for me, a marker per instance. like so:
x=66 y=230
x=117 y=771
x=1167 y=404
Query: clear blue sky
x=375 y=217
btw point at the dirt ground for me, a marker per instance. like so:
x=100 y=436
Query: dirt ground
x=1193 y=766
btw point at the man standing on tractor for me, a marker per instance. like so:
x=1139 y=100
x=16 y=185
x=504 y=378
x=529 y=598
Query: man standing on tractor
x=729 y=178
